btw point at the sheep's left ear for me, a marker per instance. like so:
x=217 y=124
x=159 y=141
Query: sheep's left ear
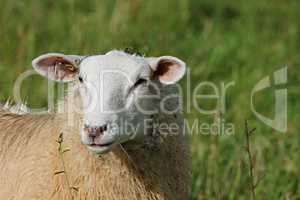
x=57 y=66
x=167 y=69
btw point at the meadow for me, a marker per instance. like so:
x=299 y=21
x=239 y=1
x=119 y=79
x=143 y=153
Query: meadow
x=222 y=42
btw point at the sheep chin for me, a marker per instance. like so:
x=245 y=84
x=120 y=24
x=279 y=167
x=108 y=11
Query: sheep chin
x=97 y=150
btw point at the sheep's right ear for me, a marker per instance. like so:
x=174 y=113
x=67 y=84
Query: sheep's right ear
x=57 y=67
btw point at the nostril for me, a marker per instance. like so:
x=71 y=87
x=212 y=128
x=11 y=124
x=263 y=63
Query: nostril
x=89 y=130
x=104 y=127
x=101 y=129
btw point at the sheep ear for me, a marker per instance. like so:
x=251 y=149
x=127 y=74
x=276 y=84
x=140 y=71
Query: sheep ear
x=167 y=69
x=57 y=67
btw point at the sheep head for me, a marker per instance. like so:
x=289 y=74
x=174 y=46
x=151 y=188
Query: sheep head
x=119 y=92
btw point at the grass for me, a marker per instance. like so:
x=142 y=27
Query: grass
x=222 y=41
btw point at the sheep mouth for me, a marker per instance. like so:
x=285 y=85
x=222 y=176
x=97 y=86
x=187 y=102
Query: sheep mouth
x=94 y=145
x=100 y=148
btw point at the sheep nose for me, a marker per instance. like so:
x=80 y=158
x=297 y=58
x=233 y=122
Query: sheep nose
x=95 y=131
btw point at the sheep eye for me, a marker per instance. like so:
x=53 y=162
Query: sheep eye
x=77 y=61
x=80 y=79
x=139 y=82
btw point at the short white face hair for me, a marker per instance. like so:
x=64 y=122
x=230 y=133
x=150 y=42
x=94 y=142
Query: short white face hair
x=110 y=87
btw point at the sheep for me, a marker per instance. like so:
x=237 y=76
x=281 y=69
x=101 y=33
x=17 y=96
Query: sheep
x=42 y=156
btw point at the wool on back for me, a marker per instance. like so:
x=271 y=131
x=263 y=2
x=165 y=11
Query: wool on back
x=33 y=167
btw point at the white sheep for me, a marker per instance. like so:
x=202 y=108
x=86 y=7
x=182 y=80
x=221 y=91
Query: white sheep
x=43 y=156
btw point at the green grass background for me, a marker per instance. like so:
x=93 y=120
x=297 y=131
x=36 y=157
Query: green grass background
x=221 y=41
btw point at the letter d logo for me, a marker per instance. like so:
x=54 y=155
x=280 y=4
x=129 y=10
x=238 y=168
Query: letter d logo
x=279 y=122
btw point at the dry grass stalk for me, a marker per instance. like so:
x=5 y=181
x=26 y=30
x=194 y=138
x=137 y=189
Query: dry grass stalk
x=62 y=151
x=250 y=158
